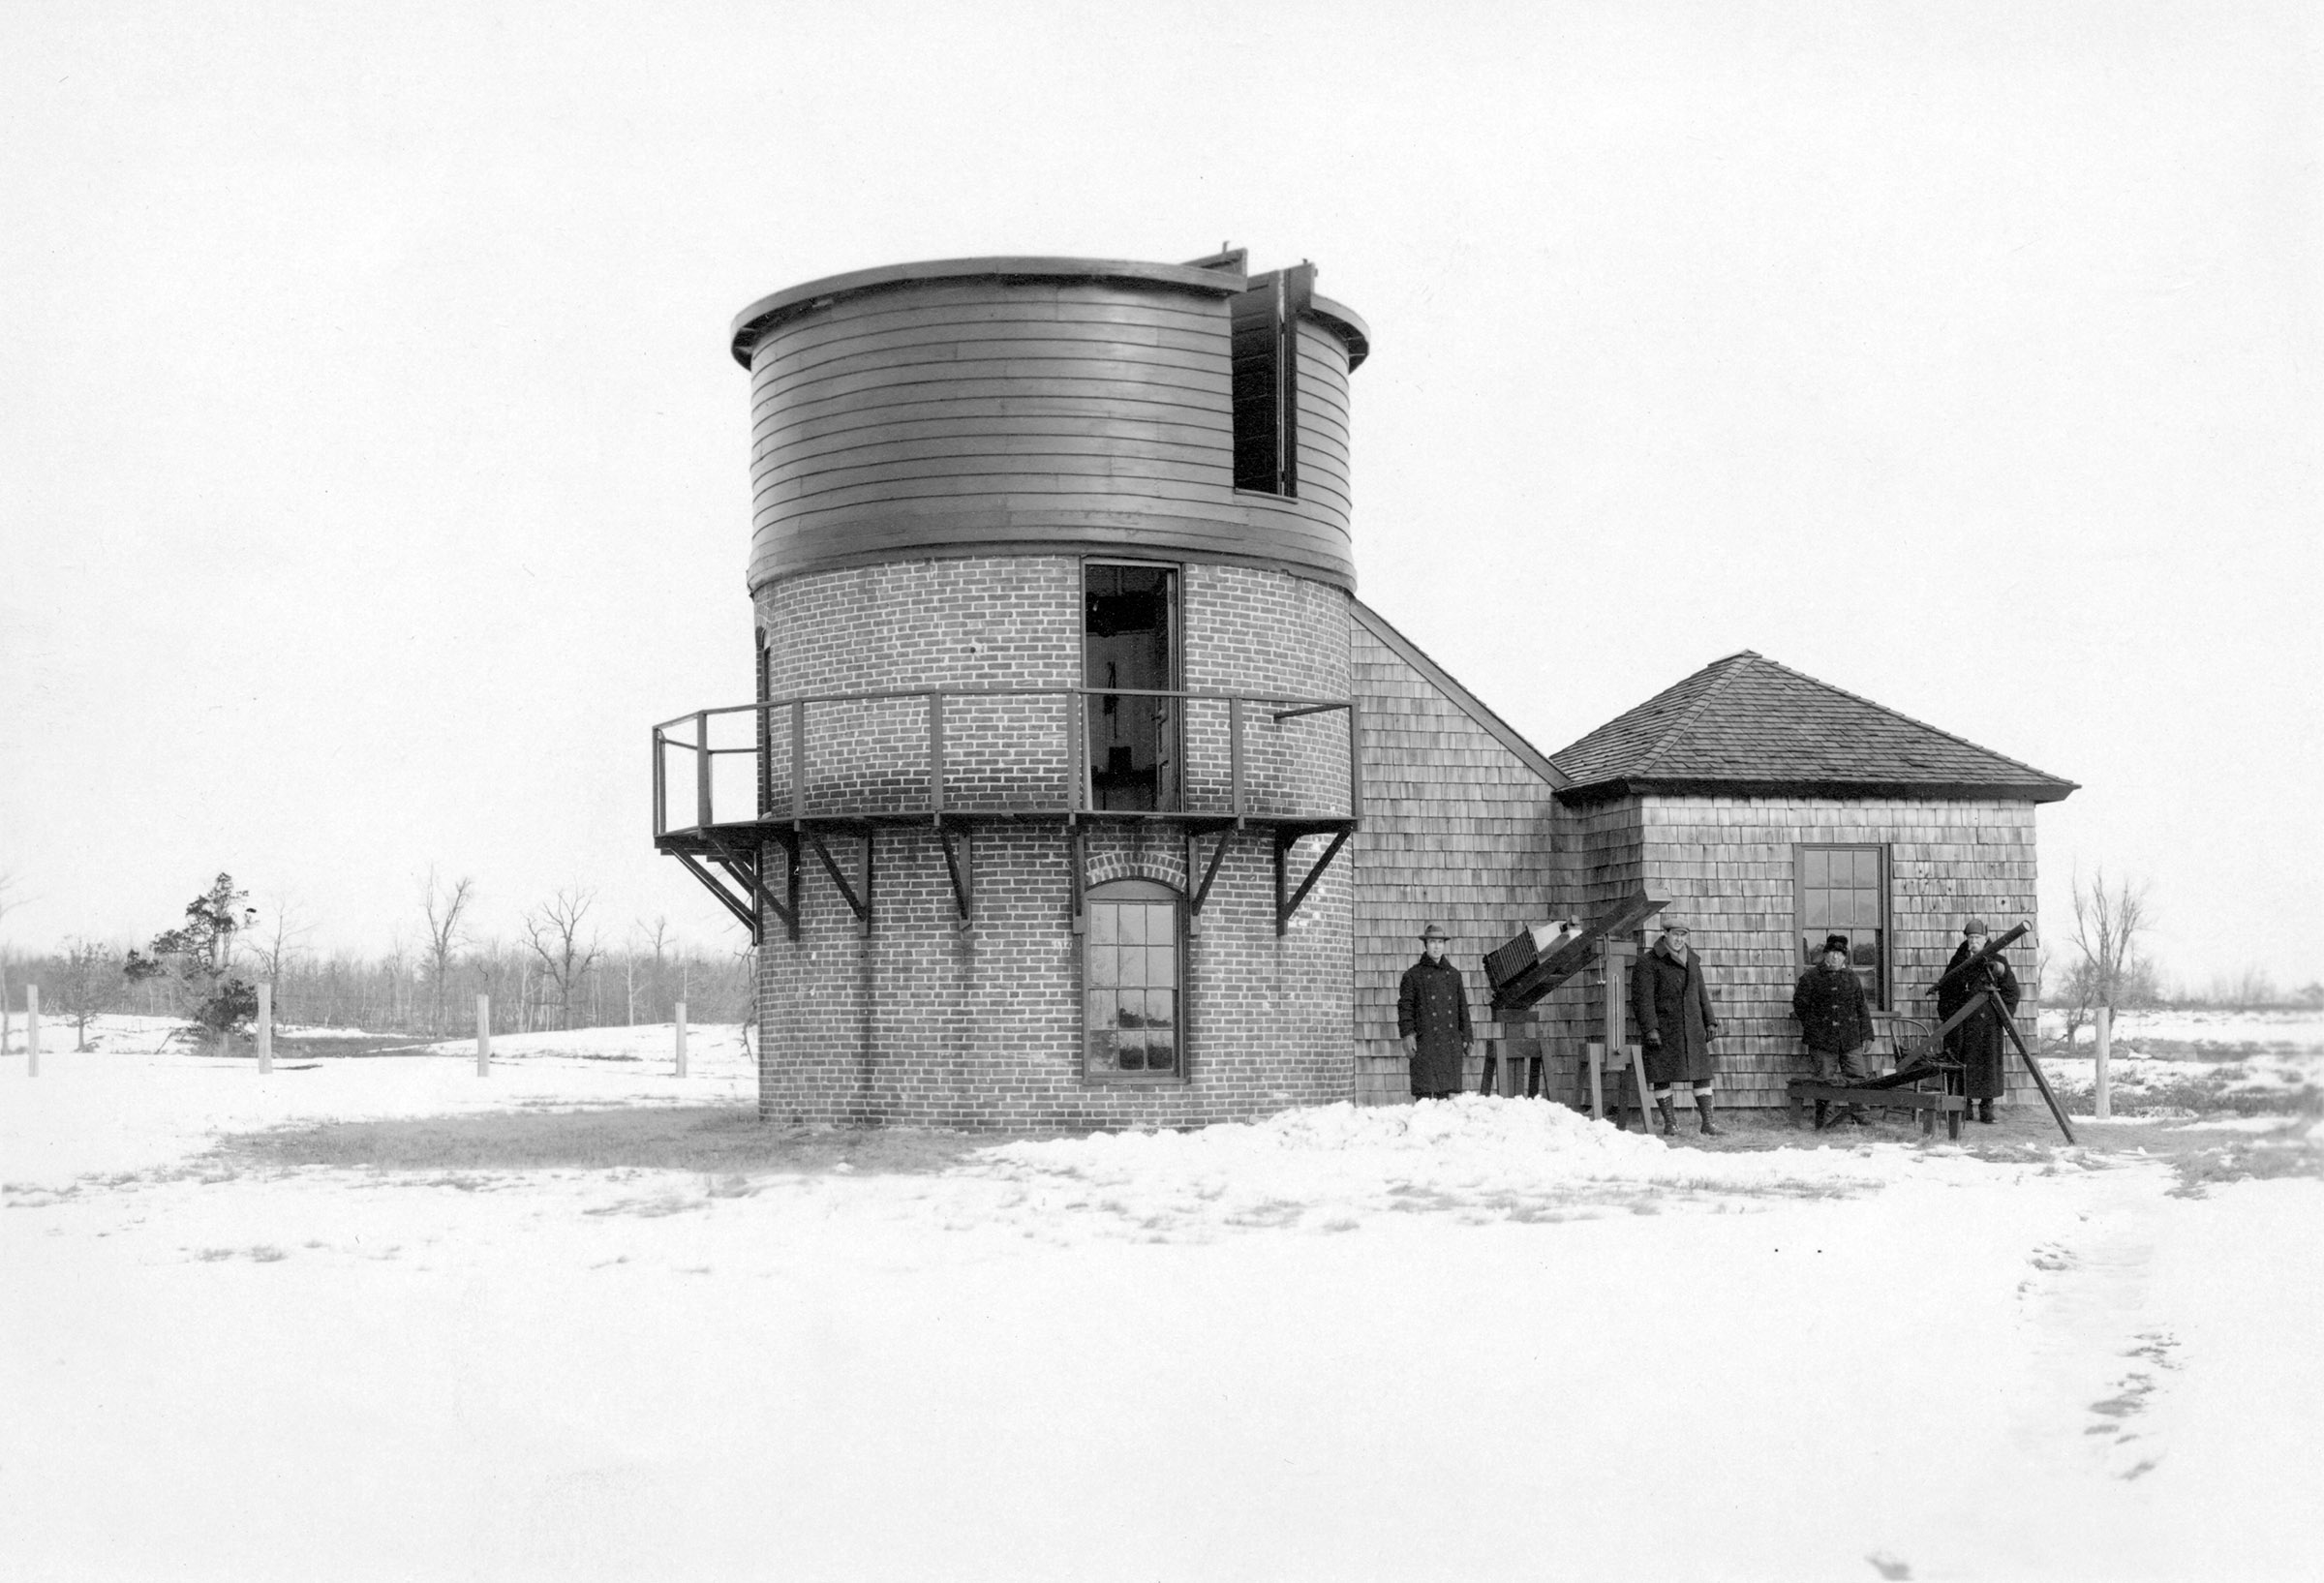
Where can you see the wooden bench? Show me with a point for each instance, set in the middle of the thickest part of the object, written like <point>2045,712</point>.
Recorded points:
<point>1929,1104</point>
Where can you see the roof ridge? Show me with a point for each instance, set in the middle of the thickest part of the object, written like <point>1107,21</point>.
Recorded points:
<point>1711,690</point>
<point>1468,703</point>
<point>1900,715</point>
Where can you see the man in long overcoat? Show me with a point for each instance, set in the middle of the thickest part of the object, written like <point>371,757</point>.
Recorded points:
<point>1433,1019</point>
<point>1835,1022</point>
<point>1671,1006</point>
<point>1978,1043</point>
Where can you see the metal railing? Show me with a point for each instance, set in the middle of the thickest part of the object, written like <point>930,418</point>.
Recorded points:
<point>782,728</point>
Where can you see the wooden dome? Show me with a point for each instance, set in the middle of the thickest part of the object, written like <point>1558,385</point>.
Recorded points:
<point>985,407</point>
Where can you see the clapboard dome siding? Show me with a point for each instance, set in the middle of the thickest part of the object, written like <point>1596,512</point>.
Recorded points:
<point>1014,405</point>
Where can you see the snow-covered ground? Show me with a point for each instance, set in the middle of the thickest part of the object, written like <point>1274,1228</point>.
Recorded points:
<point>1476,1340</point>
<point>2182,1062</point>
<point>2224,1029</point>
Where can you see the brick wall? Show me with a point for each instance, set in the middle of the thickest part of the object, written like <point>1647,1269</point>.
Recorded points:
<point>1254,631</point>
<point>1457,828</point>
<point>1727,863</point>
<point>996,622</point>
<point>925,1022</point>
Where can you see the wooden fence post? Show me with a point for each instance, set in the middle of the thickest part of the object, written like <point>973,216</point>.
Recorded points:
<point>682,1038</point>
<point>2103,1097</point>
<point>32,1030</point>
<point>264,1031</point>
<point>483,1036</point>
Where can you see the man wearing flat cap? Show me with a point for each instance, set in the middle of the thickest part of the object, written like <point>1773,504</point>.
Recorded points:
<point>1977,1043</point>
<point>1433,1019</point>
<point>1670,1006</point>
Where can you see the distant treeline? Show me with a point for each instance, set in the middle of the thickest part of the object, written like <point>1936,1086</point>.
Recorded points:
<point>402,991</point>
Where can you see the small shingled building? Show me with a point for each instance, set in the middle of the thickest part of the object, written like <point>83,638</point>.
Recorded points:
<point>1772,809</point>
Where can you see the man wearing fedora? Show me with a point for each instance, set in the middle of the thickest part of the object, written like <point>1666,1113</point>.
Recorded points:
<point>1433,1019</point>
<point>1670,1004</point>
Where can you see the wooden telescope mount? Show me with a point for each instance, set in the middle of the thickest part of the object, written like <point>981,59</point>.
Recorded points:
<point>1987,999</point>
<point>1521,975</point>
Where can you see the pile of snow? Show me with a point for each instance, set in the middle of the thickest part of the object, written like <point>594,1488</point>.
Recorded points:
<point>1330,1167</point>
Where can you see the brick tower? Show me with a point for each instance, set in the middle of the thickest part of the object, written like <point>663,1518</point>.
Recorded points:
<point>1035,815</point>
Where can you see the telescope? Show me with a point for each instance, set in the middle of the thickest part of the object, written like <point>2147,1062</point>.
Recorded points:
<point>1992,948</point>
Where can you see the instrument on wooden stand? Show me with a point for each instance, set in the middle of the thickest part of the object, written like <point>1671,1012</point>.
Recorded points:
<point>1986,998</point>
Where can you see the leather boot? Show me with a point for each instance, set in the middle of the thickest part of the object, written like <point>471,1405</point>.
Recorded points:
<point>1702,1104</point>
<point>1984,1110</point>
<point>1669,1118</point>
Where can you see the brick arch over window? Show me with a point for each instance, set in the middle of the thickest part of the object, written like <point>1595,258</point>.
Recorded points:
<point>1163,864</point>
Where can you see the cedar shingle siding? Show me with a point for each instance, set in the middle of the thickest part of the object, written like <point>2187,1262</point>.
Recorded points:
<point>1459,829</point>
<point>1725,866</point>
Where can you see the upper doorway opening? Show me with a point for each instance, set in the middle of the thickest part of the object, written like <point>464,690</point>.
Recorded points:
<point>1129,652</point>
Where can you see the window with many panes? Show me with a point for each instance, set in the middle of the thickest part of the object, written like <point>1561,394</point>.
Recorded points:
<point>1132,968</point>
<point>1844,890</point>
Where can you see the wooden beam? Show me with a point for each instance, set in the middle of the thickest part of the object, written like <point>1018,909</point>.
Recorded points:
<point>745,868</point>
<point>1283,844</point>
<point>1202,891</point>
<point>860,905</point>
<point>962,866</point>
<point>2041,1079</point>
<point>727,897</point>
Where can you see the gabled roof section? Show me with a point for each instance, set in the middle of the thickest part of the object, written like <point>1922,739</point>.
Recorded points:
<point>1404,649</point>
<point>1747,726</point>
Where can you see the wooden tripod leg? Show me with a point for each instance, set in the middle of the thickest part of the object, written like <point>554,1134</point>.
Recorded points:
<point>2040,1078</point>
<point>1637,1078</point>
<point>1597,1057</point>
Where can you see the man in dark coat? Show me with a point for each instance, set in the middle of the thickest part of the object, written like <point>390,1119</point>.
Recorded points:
<point>1671,1006</point>
<point>1835,1022</point>
<point>1433,1019</point>
<point>1976,1044</point>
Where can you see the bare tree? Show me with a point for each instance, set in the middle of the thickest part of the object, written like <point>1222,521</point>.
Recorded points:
<point>2247,990</point>
<point>278,949</point>
<point>2108,921</point>
<point>444,906</point>
<point>553,931</point>
<point>88,984</point>
<point>8,904</point>
<point>655,937</point>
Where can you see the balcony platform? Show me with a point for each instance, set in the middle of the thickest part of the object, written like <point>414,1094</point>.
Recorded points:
<point>731,856</point>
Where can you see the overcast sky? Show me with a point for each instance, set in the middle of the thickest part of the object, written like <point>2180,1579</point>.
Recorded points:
<point>373,473</point>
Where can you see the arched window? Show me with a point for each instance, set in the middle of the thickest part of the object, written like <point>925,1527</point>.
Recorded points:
<point>1133,982</point>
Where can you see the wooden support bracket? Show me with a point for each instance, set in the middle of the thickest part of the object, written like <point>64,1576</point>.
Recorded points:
<point>748,872</point>
<point>718,888</point>
<point>1284,841</point>
<point>1077,879</point>
<point>960,862</point>
<point>1194,852</point>
<point>860,905</point>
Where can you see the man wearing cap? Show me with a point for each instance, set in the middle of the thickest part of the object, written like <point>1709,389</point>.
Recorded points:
<point>1834,1021</point>
<point>1671,1006</point>
<point>1433,1019</point>
<point>1977,1043</point>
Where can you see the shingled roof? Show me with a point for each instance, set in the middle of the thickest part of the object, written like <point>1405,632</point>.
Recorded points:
<point>1747,726</point>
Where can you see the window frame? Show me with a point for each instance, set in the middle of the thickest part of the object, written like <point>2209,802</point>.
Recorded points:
<point>1883,991</point>
<point>1177,665</point>
<point>1137,888</point>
